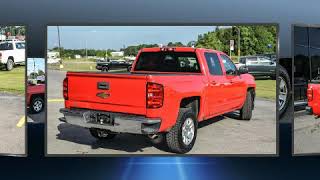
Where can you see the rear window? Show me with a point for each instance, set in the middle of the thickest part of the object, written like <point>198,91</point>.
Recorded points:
<point>168,62</point>
<point>6,46</point>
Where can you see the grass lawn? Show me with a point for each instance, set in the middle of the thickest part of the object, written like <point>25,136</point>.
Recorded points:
<point>81,66</point>
<point>78,60</point>
<point>13,81</point>
<point>266,89</point>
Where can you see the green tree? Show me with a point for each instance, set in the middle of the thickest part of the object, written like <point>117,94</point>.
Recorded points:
<point>40,72</point>
<point>253,39</point>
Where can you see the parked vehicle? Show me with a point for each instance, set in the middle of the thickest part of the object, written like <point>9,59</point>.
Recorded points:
<point>259,66</point>
<point>12,53</point>
<point>271,56</point>
<point>313,94</point>
<point>106,65</point>
<point>166,94</point>
<point>35,97</point>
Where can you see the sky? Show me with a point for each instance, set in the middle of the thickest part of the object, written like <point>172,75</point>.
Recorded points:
<point>116,37</point>
<point>34,64</point>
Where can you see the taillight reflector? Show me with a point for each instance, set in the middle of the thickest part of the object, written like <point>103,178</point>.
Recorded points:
<point>65,88</point>
<point>310,94</point>
<point>154,95</point>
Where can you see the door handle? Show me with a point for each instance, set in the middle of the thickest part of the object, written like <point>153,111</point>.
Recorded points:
<point>232,81</point>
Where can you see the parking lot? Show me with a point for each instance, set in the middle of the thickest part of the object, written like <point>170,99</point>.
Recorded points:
<point>220,135</point>
<point>12,126</point>
<point>306,133</point>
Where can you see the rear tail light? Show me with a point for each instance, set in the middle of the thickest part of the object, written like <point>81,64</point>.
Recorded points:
<point>310,94</point>
<point>154,95</point>
<point>65,88</point>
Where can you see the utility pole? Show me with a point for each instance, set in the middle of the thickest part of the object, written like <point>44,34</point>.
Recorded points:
<point>86,51</point>
<point>61,65</point>
<point>34,65</point>
<point>238,44</point>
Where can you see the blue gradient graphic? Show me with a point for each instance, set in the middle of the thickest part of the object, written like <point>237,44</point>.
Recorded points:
<point>163,168</point>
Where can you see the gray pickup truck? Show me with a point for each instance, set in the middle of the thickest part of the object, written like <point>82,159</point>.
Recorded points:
<point>106,65</point>
<point>259,66</point>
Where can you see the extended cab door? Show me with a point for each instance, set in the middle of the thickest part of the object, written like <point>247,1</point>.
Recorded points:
<point>19,52</point>
<point>215,94</point>
<point>267,66</point>
<point>236,86</point>
<point>252,64</point>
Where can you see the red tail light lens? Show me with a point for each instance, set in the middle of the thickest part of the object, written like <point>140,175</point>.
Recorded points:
<point>310,94</point>
<point>154,95</point>
<point>65,88</point>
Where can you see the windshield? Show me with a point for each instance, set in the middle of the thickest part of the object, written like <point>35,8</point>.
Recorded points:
<point>168,62</point>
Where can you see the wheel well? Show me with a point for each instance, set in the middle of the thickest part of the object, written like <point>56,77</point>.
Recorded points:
<point>37,95</point>
<point>11,57</point>
<point>191,102</point>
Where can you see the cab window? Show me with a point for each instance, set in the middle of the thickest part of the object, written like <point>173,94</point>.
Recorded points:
<point>252,60</point>
<point>20,45</point>
<point>228,65</point>
<point>6,46</point>
<point>213,63</point>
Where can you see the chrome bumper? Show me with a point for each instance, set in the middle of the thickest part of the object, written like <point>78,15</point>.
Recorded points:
<point>121,123</point>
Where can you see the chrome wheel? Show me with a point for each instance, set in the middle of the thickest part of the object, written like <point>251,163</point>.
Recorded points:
<point>283,92</point>
<point>188,131</point>
<point>37,106</point>
<point>9,65</point>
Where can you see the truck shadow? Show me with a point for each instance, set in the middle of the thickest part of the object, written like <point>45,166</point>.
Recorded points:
<point>122,142</point>
<point>37,118</point>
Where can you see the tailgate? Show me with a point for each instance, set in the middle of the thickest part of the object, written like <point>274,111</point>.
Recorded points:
<point>108,92</point>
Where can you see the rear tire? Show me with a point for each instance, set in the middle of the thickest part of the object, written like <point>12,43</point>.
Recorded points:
<point>37,104</point>
<point>246,110</point>
<point>182,136</point>
<point>284,90</point>
<point>101,134</point>
<point>9,65</point>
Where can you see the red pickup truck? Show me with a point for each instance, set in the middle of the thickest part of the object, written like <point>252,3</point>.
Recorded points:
<point>35,97</point>
<point>313,95</point>
<point>168,91</point>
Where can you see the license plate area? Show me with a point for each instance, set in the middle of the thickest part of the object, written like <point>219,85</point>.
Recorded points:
<point>99,118</point>
<point>105,119</point>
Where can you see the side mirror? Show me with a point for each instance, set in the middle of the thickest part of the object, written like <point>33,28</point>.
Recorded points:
<point>243,70</point>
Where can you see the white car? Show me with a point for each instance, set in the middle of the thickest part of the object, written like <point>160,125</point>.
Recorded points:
<point>12,53</point>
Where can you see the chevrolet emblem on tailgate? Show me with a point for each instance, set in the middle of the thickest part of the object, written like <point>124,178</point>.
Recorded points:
<point>103,95</point>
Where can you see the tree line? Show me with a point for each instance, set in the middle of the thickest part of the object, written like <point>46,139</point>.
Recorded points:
<point>66,53</point>
<point>254,40</point>
<point>13,30</point>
